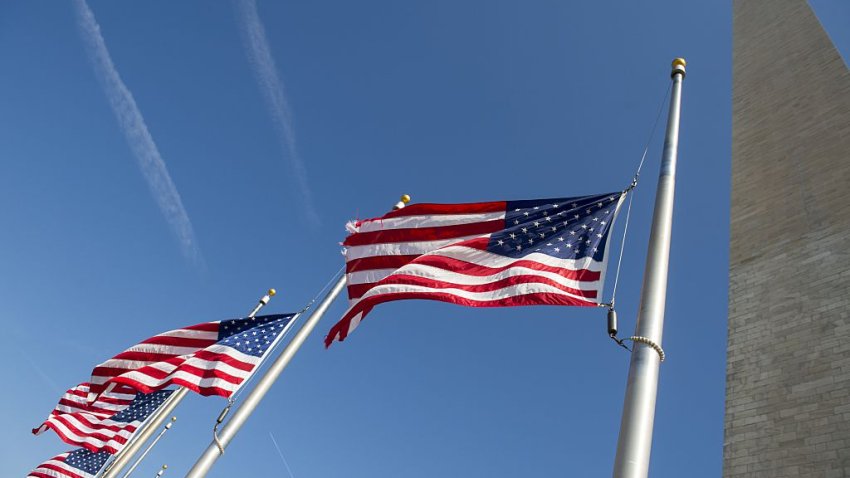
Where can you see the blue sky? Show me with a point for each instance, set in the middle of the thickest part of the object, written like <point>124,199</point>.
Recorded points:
<point>219,149</point>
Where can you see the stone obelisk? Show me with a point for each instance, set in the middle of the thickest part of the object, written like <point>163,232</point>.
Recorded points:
<point>788,362</point>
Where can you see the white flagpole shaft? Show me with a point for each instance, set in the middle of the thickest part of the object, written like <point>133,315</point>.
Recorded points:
<point>247,406</point>
<point>150,447</point>
<point>635,441</point>
<point>159,417</point>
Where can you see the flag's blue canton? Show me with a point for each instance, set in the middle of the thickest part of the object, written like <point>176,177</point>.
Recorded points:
<point>566,228</point>
<point>252,336</point>
<point>142,406</point>
<point>87,461</point>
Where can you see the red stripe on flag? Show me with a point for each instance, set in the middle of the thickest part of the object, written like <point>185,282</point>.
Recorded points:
<point>340,330</point>
<point>198,374</point>
<point>356,291</point>
<point>206,326</point>
<point>62,471</point>
<point>206,391</point>
<point>179,341</point>
<point>476,243</point>
<point>104,372</point>
<point>404,279</point>
<point>139,356</point>
<point>80,390</point>
<point>96,425</point>
<point>424,233</point>
<point>80,436</point>
<point>378,262</point>
<point>205,373</point>
<point>428,209</point>
<point>225,358</point>
<point>395,262</point>
<point>474,269</point>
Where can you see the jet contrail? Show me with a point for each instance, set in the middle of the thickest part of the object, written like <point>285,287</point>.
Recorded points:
<point>281,455</point>
<point>47,379</point>
<point>271,86</point>
<point>136,132</point>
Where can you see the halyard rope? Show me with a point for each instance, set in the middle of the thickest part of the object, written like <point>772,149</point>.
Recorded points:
<point>630,191</point>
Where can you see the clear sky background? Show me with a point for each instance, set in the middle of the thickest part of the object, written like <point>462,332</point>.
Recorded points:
<point>249,134</point>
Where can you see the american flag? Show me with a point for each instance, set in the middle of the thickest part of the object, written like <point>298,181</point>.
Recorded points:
<point>212,358</point>
<point>492,254</point>
<point>107,423</point>
<point>71,464</point>
<point>75,400</point>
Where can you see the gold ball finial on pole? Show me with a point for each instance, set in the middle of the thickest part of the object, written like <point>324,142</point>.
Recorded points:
<point>263,301</point>
<point>679,66</point>
<point>404,200</point>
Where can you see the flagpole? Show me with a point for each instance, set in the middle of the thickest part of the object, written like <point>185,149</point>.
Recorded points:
<point>123,457</point>
<point>247,406</point>
<point>134,444</point>
<point>148,449</point>
<point>635,441</point>
<point>216,448</point>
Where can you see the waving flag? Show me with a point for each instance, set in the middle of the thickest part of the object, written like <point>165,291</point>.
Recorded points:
<point>75,400</point>
<point>73,464</point>
<point>492,254</point>
<point>107,423</point>
<point>212,358</point>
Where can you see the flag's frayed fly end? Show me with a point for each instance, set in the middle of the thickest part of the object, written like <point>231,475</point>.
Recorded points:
<point>353,227</point>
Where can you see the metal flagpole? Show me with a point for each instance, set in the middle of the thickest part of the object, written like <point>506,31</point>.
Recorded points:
<point>247,406</point>
<point>635,440</point>
<point>148,449</point>
<point>161,471</point>
<point>123,457</point>
<point>216,448</point>
<point>160,416</point>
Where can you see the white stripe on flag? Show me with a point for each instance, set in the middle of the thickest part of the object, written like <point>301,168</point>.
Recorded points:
<point>443,275</point>
<point>191,334</point>
<point>402,248</point>
<point>478,256</point>
<point>488,296</point>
